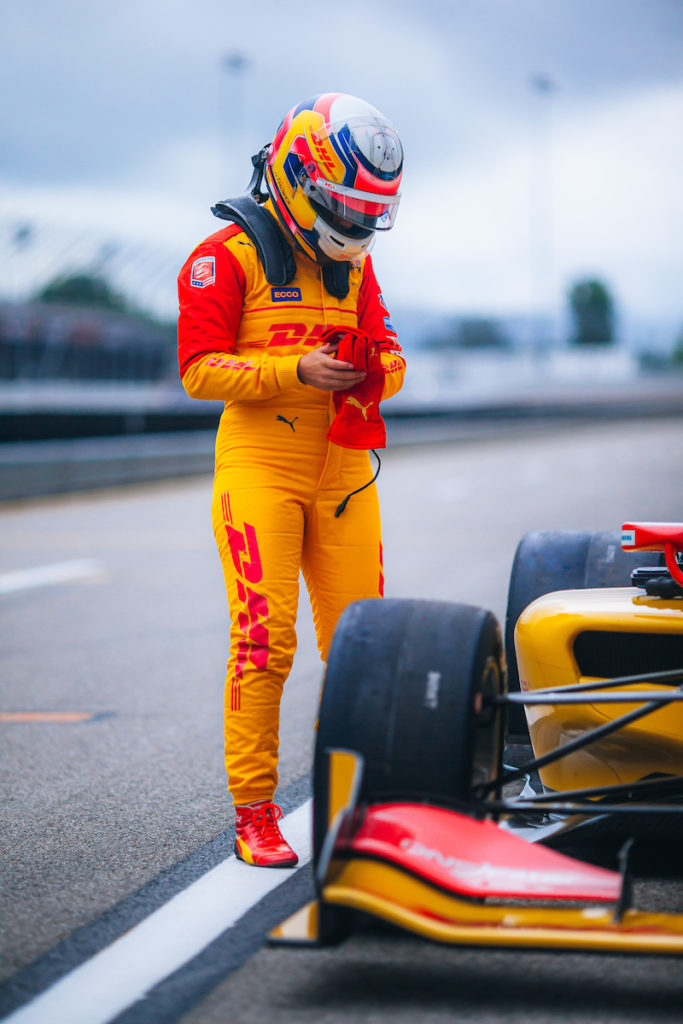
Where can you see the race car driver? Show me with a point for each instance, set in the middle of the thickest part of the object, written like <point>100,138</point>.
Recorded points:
<point>301,367</point>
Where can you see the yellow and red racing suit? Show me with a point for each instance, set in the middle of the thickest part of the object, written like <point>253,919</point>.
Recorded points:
<point>278,481</point>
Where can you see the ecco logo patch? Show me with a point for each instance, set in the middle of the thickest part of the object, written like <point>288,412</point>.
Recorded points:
<point>285,294</point>
<point>203,272</point>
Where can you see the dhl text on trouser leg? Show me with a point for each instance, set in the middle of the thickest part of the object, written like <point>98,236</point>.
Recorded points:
<point>278,483</point>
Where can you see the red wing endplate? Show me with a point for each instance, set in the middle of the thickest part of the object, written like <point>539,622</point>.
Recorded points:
<point>666,537</point>
<point>475,859</point>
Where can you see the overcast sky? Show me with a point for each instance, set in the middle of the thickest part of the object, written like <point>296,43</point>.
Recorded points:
<point>123,118</point>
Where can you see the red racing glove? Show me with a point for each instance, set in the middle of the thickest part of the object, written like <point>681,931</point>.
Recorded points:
<point>358,423</point>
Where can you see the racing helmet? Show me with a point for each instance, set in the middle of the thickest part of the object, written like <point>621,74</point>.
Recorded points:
<point>333,171</point>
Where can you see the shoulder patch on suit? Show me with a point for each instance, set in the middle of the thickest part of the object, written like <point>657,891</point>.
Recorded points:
<point>203,272</point>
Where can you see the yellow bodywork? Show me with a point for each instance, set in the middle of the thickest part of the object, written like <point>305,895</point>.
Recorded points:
<point>544,640</point>
<point>388,893</point>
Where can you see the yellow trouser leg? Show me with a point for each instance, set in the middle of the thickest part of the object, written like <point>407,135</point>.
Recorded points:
<point>258,525</point>
<point>342,556</point>
<point>272,516</point>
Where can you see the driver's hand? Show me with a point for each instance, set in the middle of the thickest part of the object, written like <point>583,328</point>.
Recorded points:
<point>319,369</point>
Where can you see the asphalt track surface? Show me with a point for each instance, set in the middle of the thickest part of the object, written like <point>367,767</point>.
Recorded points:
<point>113,633</point>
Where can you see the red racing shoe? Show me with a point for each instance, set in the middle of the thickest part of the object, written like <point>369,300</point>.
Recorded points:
<point>258,839</point>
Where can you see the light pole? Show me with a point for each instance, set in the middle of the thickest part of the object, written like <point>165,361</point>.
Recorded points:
<point>236,64</point>
<point>541,208</point>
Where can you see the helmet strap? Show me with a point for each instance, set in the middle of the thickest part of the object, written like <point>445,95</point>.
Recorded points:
<point>259,164</point>
<point>336,278</point>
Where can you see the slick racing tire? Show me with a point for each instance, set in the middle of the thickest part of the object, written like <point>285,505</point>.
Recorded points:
<point>406,687</point>
<point>550,560</point>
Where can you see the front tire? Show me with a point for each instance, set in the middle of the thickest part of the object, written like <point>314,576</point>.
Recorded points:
<point>407,686</point>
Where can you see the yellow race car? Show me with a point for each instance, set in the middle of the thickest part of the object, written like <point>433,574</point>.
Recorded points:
<point>441,794</point>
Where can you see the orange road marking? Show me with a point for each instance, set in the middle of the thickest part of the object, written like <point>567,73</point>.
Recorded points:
<point>47,716</point>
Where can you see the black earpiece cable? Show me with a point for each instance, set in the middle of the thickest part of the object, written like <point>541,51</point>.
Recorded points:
<point>343,504</point>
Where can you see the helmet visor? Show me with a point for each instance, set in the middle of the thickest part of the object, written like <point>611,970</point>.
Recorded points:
<point>372,140</point>
<point>363,209</point>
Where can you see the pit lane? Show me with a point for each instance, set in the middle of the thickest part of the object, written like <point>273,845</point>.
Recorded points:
<point>97,811</point>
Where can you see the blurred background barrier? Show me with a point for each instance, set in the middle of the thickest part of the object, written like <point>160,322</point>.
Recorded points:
<point>90,395</point>
<point>82,332</point>
<point>62,439</point>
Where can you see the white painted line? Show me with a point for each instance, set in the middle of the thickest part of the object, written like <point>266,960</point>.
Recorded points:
<point>44,575</point>
<point>120,974</point>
